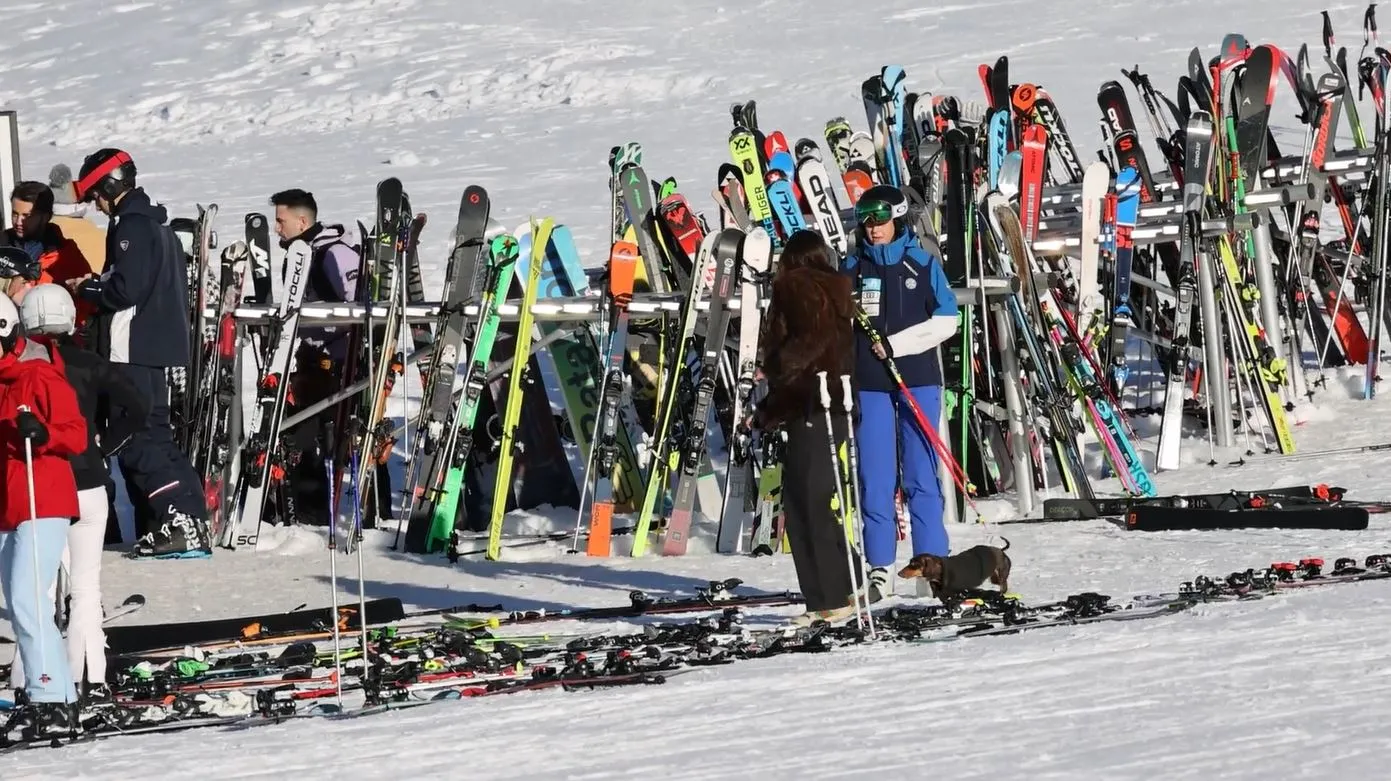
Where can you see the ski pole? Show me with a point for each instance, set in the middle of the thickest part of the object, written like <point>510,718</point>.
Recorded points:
<point>594,447</point>
<point>367,686</point>
<point>34,521</point>
<point>929,431</point>
<point>841,506</point>
<point>853,454</point>
<point>333,579</point>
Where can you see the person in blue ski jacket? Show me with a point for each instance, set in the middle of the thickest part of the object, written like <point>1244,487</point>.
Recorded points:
<point>904,291</point>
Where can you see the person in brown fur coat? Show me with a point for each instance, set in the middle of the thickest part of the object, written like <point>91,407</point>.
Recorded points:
<point>809,329</point>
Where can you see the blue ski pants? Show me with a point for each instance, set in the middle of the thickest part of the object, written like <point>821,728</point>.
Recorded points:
<point>37,543</point>
<point>888,428</point>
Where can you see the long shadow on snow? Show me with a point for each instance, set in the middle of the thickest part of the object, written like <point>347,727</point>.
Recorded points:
<point>616,582</point>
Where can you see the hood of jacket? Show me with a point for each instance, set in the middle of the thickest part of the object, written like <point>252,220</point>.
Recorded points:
<point>320,235</point>
<point>331,234</point>
<point>138,202</point>
<point>29,351</point>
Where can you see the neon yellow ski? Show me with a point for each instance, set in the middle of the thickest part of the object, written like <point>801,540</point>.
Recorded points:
<point>541,236</point>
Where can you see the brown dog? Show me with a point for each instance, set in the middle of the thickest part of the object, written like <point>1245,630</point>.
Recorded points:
<point>966,570</point>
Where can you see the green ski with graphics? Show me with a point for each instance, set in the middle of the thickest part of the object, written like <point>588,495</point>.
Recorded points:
<point>502,256</point>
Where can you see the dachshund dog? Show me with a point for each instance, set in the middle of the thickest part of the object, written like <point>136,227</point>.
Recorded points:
<point>964,571</point>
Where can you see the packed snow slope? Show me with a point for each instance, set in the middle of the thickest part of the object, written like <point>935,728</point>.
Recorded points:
<point>229,102</point>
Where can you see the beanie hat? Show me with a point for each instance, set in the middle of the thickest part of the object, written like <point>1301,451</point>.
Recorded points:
<point>60,181</point>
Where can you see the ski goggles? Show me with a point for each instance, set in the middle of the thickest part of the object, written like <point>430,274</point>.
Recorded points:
<point>876,213</point>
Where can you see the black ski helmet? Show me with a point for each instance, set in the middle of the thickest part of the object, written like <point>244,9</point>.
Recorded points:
<point>15,262</point>
<point>105,172</point>
<point>880,204</point>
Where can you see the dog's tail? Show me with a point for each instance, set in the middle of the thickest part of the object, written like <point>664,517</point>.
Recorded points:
<point>1006,539</point>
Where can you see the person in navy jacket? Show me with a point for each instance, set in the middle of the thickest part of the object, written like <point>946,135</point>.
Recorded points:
<point>904,291</point>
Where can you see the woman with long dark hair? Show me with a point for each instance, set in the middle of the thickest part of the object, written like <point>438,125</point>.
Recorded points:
<point>809,330</point>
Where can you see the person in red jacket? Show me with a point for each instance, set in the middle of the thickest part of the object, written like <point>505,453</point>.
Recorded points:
<point>41,428</point>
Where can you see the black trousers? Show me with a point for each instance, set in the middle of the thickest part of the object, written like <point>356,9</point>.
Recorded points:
<point>809,478</point>
<point>163,478</point>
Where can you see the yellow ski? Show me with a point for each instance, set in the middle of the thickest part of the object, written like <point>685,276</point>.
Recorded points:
<point>541,236</point>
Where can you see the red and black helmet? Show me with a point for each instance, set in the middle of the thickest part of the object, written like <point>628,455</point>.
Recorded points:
<point>105,172</point>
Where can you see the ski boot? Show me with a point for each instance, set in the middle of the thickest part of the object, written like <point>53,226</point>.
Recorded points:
<point>180,537</point>
<point>37,722</point>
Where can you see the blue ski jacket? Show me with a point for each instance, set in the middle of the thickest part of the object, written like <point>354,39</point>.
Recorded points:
<point>904,290</point>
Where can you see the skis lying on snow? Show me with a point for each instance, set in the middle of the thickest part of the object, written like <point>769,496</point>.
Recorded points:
<point>123,640</point>
<point>1103,507</point>
<point>640,604</point>
<point>1328,517</point>
<point>243,687</point>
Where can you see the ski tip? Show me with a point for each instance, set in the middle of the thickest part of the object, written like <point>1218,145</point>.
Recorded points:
<point>134,599</point>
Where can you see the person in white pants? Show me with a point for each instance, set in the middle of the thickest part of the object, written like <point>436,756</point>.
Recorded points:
<point>49,318</point>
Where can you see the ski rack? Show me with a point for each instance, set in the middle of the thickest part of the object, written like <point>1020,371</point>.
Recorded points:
<point>1167,229</point>
<point>1054,242</point>
<point>574,309</point>
<point>1350,165</point>
<point>1160,223</point>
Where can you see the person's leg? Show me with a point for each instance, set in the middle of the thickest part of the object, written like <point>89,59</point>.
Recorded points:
<point>37,546</point>
<point>798,499</point>
<point>141,516</point>
<point>113,521</point>
<point>878,477</point>
<point>921,488</point>
<point>86,638</point>
<point>7,546</point>
<point>165,477</point>
<point>813,527</point>
<point>161,473</point>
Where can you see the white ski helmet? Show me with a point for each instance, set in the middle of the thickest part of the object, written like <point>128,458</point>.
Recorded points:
<point>48,309</point>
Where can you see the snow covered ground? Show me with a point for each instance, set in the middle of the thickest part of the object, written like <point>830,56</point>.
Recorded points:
<point>229,102</point>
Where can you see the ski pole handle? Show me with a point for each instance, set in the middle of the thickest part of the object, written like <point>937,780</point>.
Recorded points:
<point>847,392</point>
<point>825,390</point>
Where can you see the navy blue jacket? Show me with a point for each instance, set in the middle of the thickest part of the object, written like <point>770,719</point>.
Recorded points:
<point>904,290</point>
<point>142,295</point>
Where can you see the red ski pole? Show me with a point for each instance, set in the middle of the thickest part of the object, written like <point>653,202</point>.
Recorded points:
<point>958,474</point>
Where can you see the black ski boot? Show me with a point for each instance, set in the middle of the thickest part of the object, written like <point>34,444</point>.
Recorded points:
<point>32,722</point>
<point>97,694</point>
<point>180,537</point>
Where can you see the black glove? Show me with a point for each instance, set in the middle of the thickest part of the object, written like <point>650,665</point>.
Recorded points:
<point>31,428</point>
<point>88,289</point>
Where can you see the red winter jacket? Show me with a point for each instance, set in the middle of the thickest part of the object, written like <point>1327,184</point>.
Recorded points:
<point>32,375</point>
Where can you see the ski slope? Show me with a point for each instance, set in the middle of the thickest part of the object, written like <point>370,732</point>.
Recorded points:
<point>229,102</point>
